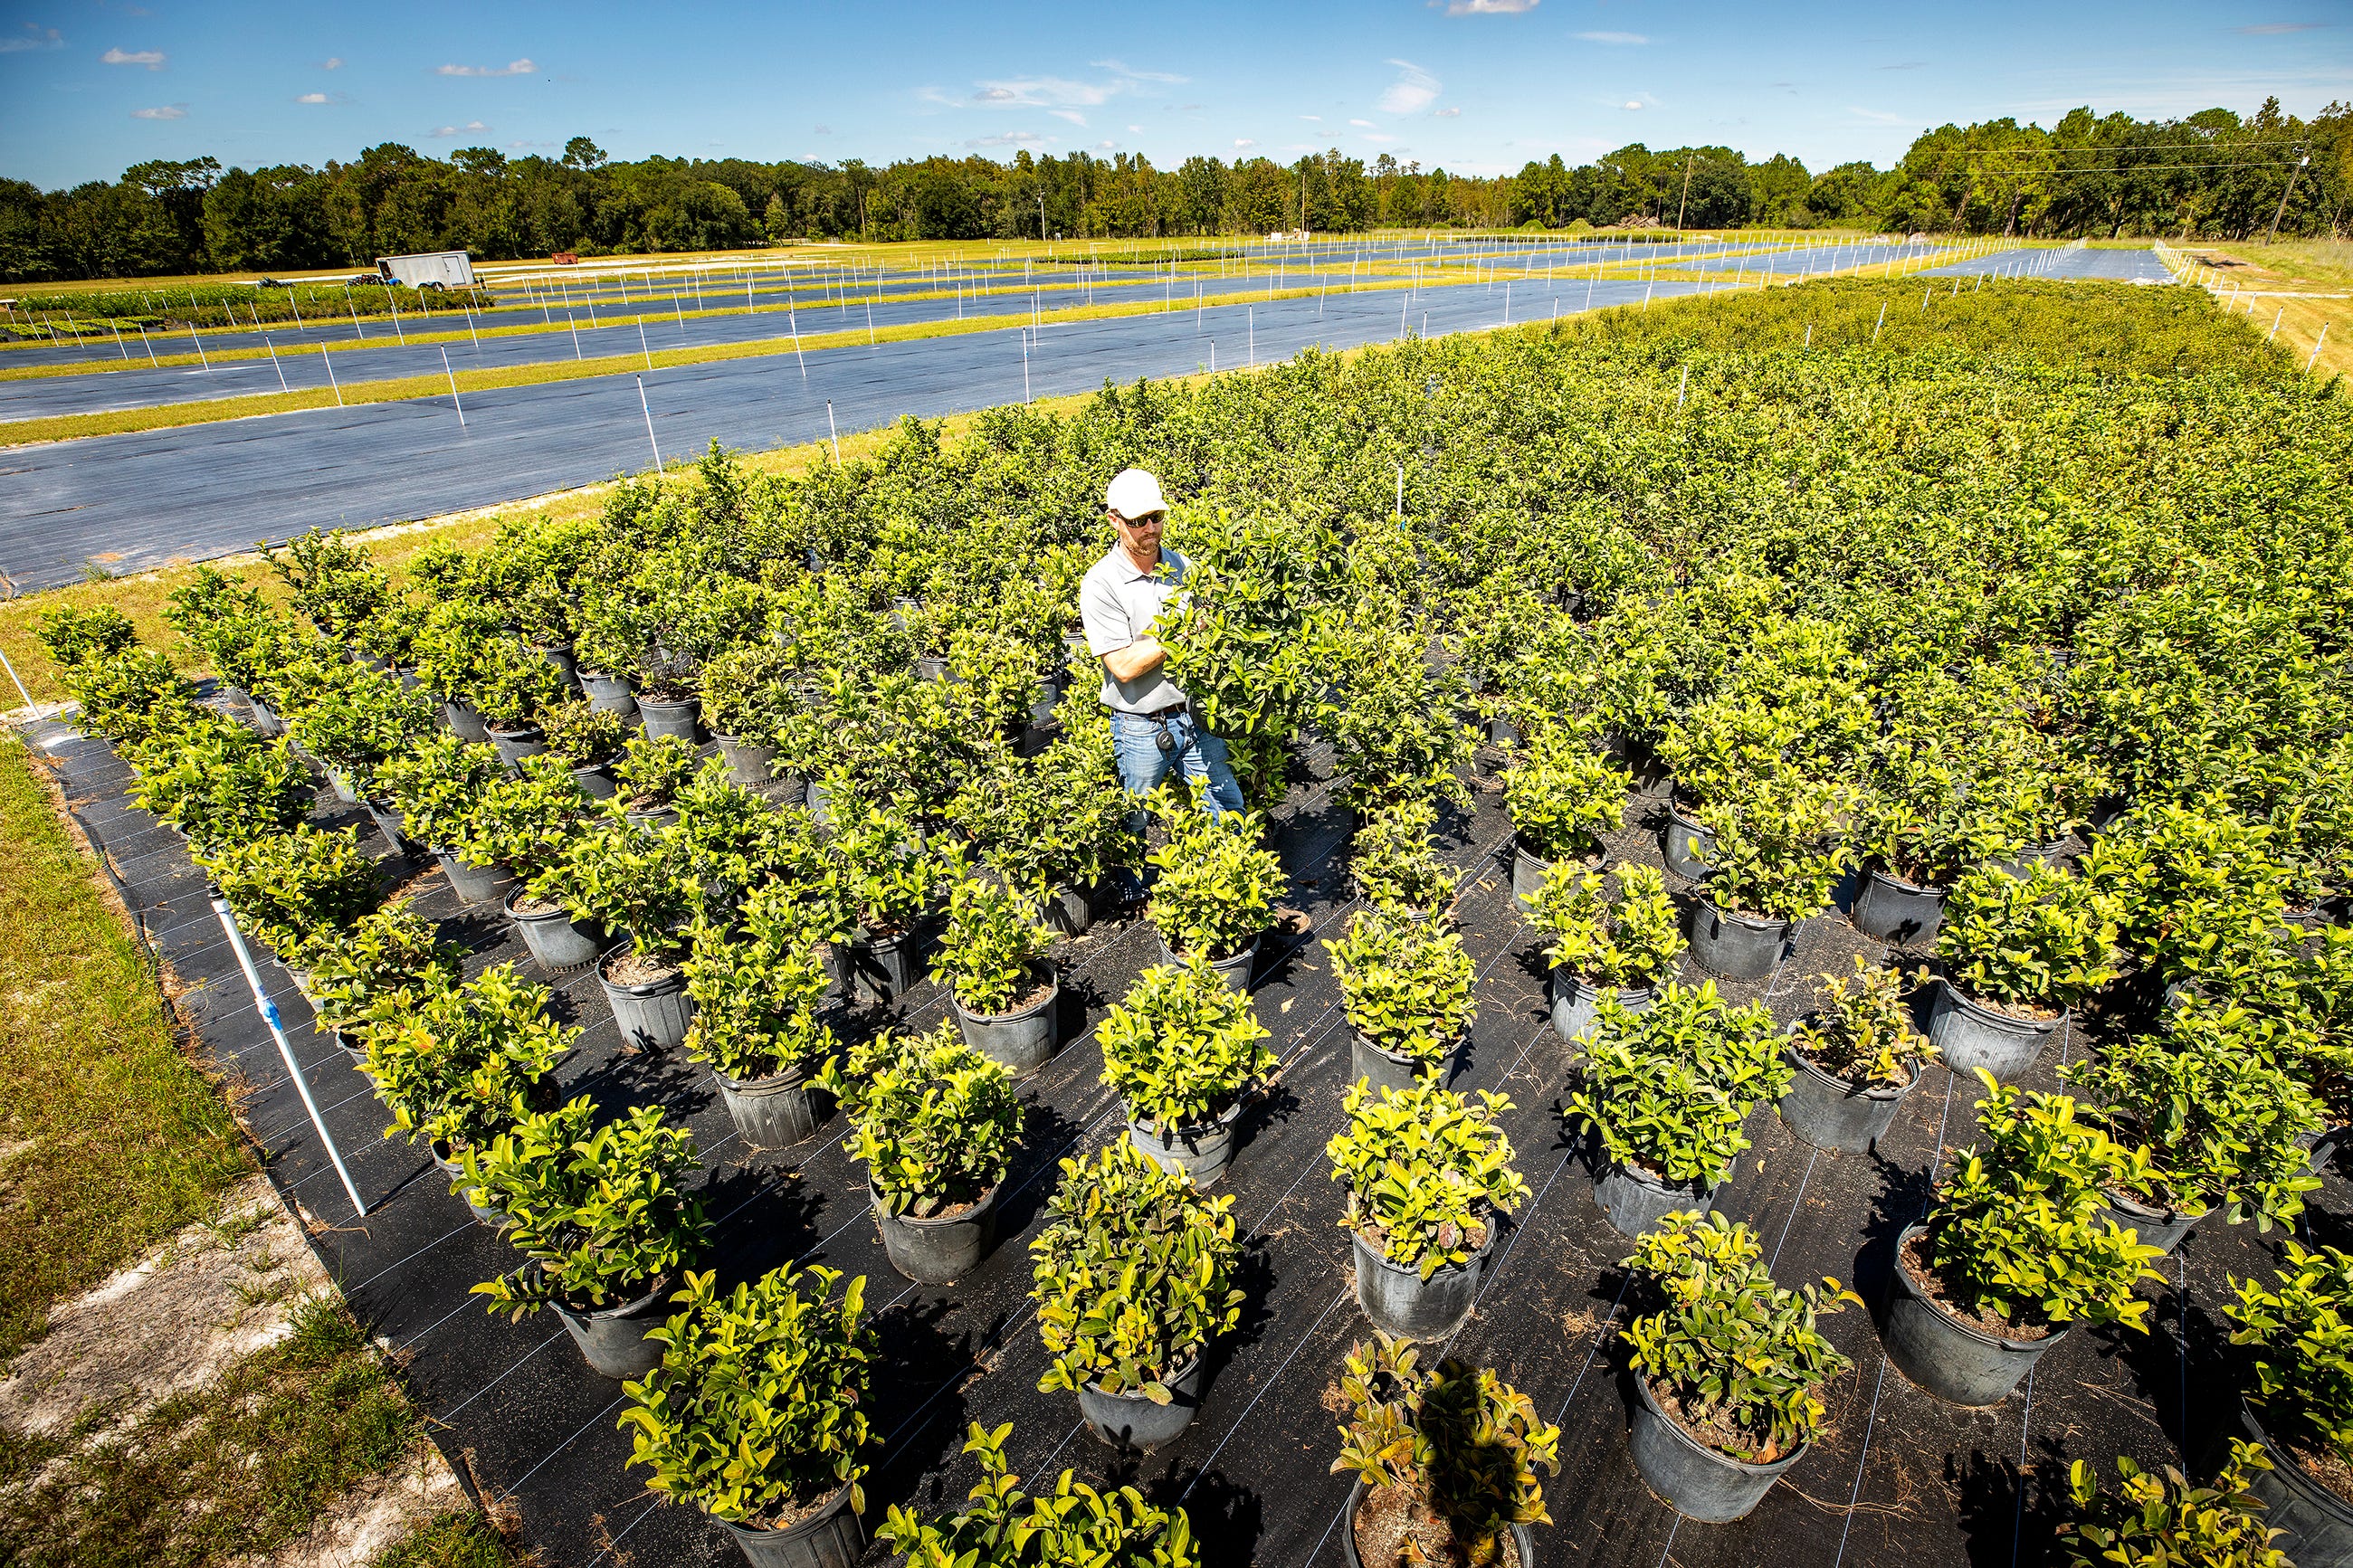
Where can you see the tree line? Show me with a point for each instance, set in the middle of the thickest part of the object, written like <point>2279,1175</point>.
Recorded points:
<point>2211,175</point>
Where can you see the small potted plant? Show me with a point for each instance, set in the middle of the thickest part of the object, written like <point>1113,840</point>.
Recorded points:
<point>388,959</point>
<point>2016,1249</point>
<point>586,740</point>
<point>1445,1460</point>
<point>525,824</point>
<point>992,959</point>
<point>2018,952</point>
<point>511,689</point>
<point>1002,1526</point>
<point>1055,827</point>
<point>297,891</point>
<point>1773,862</point>
<point>1183,1049</point>
<point>1134,1278</point>
<point>2158,1520</point>
<point>603,1219</point>
<point>1217,886</point>
<point>131,695</point>
<point>1853,1060</point>
<point>1407,990</point>
<point>438,786</point>
<point>353,724</point>
<point>749,701</point>
<point>2196,894</point>
<point>652,773</point>
<point>1726,1371</point>
<point>1666,1092</point>
<point>936,1123</point>
<point>612,879</point>
<point>2224,1127</point>
<point>1429,1178</point>
<point>1716,752</point>
<point>1397,868</point>
<point>756,988</point>
<point>2299,1331</point>
<point>1918,827</point>
<point>756,1412</point>
<point>1602,949</point>
<point>450,652</point>
<point>1563,796</point>
<point>887,877</point>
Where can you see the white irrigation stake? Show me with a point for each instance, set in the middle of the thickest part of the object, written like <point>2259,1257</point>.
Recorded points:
<point>331,375</point>
<point>395,305</point>
<point>574,325</point>
<point>17,679</point>
<point>648,409</point>
<point>2316,349</point>
<point>643,347</point>
<point>274,364</point>
<point>1880,322</point>
<point>869,320</point>
<point>792,320</point>
<point>1683,381</point>
<point>453,387</point>
<point>833,430</point>
<point>682,310</point>
<point>2276,321</point>
<point>1400,491</point>
<point>1025,368</point>
<point>277,1032</point>
<point>119,343</point>
<point>208,364</point>
<point>149,345</point>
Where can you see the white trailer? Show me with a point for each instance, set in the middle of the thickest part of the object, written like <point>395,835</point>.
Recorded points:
<point>429,270</point>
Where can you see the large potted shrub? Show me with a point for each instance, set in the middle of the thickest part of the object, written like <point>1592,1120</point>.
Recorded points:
<point>887,878</point>
<point>377,972</point>
<point>651,774</point>
<point>2298,1332</point>
<point>588,739</point>
<point>220,783</point>
<point>2018,952</point>
<point>1397,868</point>
<point>1603,948</point>
<point>2159,1519</point>
<point>2016,1249</point>
<point>1184,1050</point>
<point>1666,1092</point>
<point>131,695</point>
<point>1406,988</point>
<point>992,959</point>
<point>1774,861</point>
<point>1852,1059</point>
<point>1563,796</point>
<point>936,1124</point>
<point>1716,752</point>
<point>612,880</point>
<point>1428,1179</point>
<point>749,700</point>
<point>513,686</point>
<point>438,786</point>
<point>1135,1280</point>
<point>527,824</point>
<point>1002,1526</point>
<point>756,987</point>
<point>604,1221</point>
<point>355,721</point>
<point>2196,894</point>
<point>297,891</point>
<point>1055,827</point>
<point>756,1412</point>
<point>450,651</point>
<point>457,1063</point>
<point>1724,1373</point>
<point>1445,1455</point>
<point>1916,828</point>
<point>1216,888</point>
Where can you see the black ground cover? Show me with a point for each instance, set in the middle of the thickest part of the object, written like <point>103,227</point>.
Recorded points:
<point>1897,1478</point>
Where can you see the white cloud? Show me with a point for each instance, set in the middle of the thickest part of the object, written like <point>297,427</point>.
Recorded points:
<point>152,58</point>
<point>1106,146</point>
<point>314,98</point>
<point>513,68</point>
<point>1632,103</point>
<point>332,63</point>
<point>1135,130</point>
<point>1486,8</point>
<point>1243,143</point>
<point>1118,70</point>
<point>1414,88</point>
<point>1046,92</point>
<point>34,36</point>
<point>1315,118</point>
<point>1875,116</point>
<point>1007,139</point>
<point>1613,37</point>
<point>471,128</point>
<point>168,112</point>
<point>1363,124</point>
<point>1455,114</point>
<point>1072,115</point>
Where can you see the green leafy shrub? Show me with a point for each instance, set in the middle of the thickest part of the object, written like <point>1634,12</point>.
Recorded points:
<point>581,735</point>
<point>1001,1524</point>
<point>757,1412</point>
<point>1390,715</point>
<point>652,772</point>
<point>2017,1228</point>
<point>513,685</point>
<point>132,695</point>
<point>2300,1331</point>
<point>1405,988</point>
<point>1862,1031</point>
<point>297,891</point>
<point>1425,1173</point>
<point>1182,1048</point>
<point>71,634</point>
<point>334,581</point>
<point>378,971</point>
<point>991,947</point>
<point>438,786</point>
<point>454,646</point>
<point>756,989</point>
<point>1740,1356</point>
<point>356,720</point>
<point>936,1121</point>
<point>1563,794</point>
<point>1060,820</point>
<point>1217,885</point>
<point>220,783</point>
<point>1669,1087</point>
<point>1628,943</point>
<point>748,693</point>
<point>457,1063</point>
<point>1134,1275</point>
<point>1398,870</point>
<point>2032,944</point>
<point>1776,851</point>
<point>2158,1520</point>
<point>599,1213</point>
<point>1461,1446</point>
<point>2196,893</point>
<point>620,881</point>
<point>530,821</point>
<point>886,876</point>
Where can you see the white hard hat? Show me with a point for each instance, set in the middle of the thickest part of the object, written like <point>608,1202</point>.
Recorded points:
<point>1135,493</point>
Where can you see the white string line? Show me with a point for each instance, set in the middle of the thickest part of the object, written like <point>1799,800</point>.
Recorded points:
<point>1277,1376</point>
<point>452,1412</point>
<point>511,1490</point>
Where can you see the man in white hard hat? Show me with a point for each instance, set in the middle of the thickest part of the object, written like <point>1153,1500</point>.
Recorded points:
<point>1153,729</point>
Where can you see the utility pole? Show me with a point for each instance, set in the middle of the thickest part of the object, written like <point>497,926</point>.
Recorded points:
<point>2281,211</point>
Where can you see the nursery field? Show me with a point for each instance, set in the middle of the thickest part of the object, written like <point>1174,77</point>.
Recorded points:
<point>1847,683</point>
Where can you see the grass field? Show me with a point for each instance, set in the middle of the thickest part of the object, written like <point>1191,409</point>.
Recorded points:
<point>2292,282</point>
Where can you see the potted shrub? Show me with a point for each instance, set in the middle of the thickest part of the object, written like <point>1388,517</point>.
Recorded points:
<point>1183,1050</point>
<point>604,650</point>
<point>220,783</point>
<point>1716,752</point>
<point>887,877</point>
<point>1666,1092</point>
<point>1445,1455</point>
<point>1390,710</point>
<point>936,1123</point>
<point>612,879</point>
<point>1773,862</point>
<point>1726,1371</point>
<point>131,695</point>
<point>451,651</point>
<point>2018,952</point>
<point>2196,894</point>
<point>2017,1248</point>
<point>2299,1334</point>
<point>586,739</point>
<point>1428,1179</point>
<point>1216,888</point>
<point>1055,827</point>
<point>1407,990</point>
<point>749,700</point>
<point>388,959</point>
<point>1002,1526</point>
<point>1563,796</point>
<point>71,634</point>
<point>756,989</point>
<point>1602,949</point>
<point>1134,1278</point>
<point>297,891</point>
<point>992,959</point>
<point>438,786</point>
<point>2156,1519</point>
<point>1853,1060</point>
<point>512,688</point>
<point>1397,868</point>
<point>603,1222</point>
<point>756,1412</point>
<point>527,824</point>
<point>354,723</point>
<point>2223,1128</point>
<point>652,773</point>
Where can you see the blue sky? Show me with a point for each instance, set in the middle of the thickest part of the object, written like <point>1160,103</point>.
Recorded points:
<point>1478,86</point>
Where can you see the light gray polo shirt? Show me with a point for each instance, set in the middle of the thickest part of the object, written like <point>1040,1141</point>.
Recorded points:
<point>1119,605</point>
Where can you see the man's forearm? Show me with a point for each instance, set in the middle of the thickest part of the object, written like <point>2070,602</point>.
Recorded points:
<point>1139,658</point>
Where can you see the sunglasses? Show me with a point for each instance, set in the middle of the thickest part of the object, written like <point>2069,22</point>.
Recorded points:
<point>1149,517</point>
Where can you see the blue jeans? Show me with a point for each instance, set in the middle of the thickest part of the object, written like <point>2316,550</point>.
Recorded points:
<point>1145,767</point>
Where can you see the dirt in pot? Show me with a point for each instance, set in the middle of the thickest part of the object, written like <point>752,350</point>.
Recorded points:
<point>1394,1529</point>
<point>1022,1002</point>
<point>639,969</point>
<point>2323,1465</point>
<point>527,906</point>
<point>1914,1258</point>
<point>1718,1434</point>
<point>2024,1011</point>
